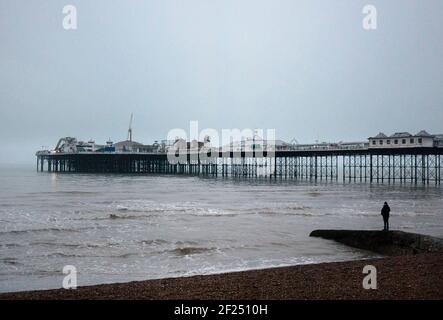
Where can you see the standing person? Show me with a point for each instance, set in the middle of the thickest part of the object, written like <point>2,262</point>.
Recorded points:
<point>385,213</point>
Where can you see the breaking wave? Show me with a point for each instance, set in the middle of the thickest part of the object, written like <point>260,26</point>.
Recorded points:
<point>10,261</point>
<point>185,251</point>
<point>43,230</point>
<point>75,255</point>
<point>72,245</point>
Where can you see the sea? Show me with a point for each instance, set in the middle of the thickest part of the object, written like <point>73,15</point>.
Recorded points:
<point>120,228</point>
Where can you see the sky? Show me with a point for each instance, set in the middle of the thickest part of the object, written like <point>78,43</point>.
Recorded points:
<point>307,69</point>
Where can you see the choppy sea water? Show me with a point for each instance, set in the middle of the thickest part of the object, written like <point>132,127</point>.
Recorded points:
<point>116,228</point>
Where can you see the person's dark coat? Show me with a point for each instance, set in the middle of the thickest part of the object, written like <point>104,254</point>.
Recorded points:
<point>385,211</point>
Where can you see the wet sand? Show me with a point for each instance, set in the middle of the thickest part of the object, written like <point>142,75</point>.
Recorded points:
<point>402,277</point>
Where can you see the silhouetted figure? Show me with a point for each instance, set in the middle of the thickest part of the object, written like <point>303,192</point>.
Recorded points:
<point>385,213</point>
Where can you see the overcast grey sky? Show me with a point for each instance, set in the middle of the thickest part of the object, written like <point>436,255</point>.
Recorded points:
<point>306,68</point>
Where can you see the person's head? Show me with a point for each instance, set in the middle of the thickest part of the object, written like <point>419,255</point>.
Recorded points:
<point>386,203</point>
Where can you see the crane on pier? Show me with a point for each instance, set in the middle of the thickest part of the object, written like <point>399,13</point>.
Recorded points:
<point>130,129</point>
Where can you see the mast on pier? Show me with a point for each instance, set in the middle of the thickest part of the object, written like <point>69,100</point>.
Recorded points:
<point>130,128</point>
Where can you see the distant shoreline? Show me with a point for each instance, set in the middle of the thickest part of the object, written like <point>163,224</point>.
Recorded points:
<point>400,277</point>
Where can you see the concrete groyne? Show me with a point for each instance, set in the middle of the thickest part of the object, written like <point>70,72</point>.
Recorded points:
<point>383,242</point>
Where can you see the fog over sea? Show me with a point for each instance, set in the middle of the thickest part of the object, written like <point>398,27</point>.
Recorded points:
<point>118,228</point>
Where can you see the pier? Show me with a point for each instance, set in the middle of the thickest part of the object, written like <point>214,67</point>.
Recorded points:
<point>363,164</point>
